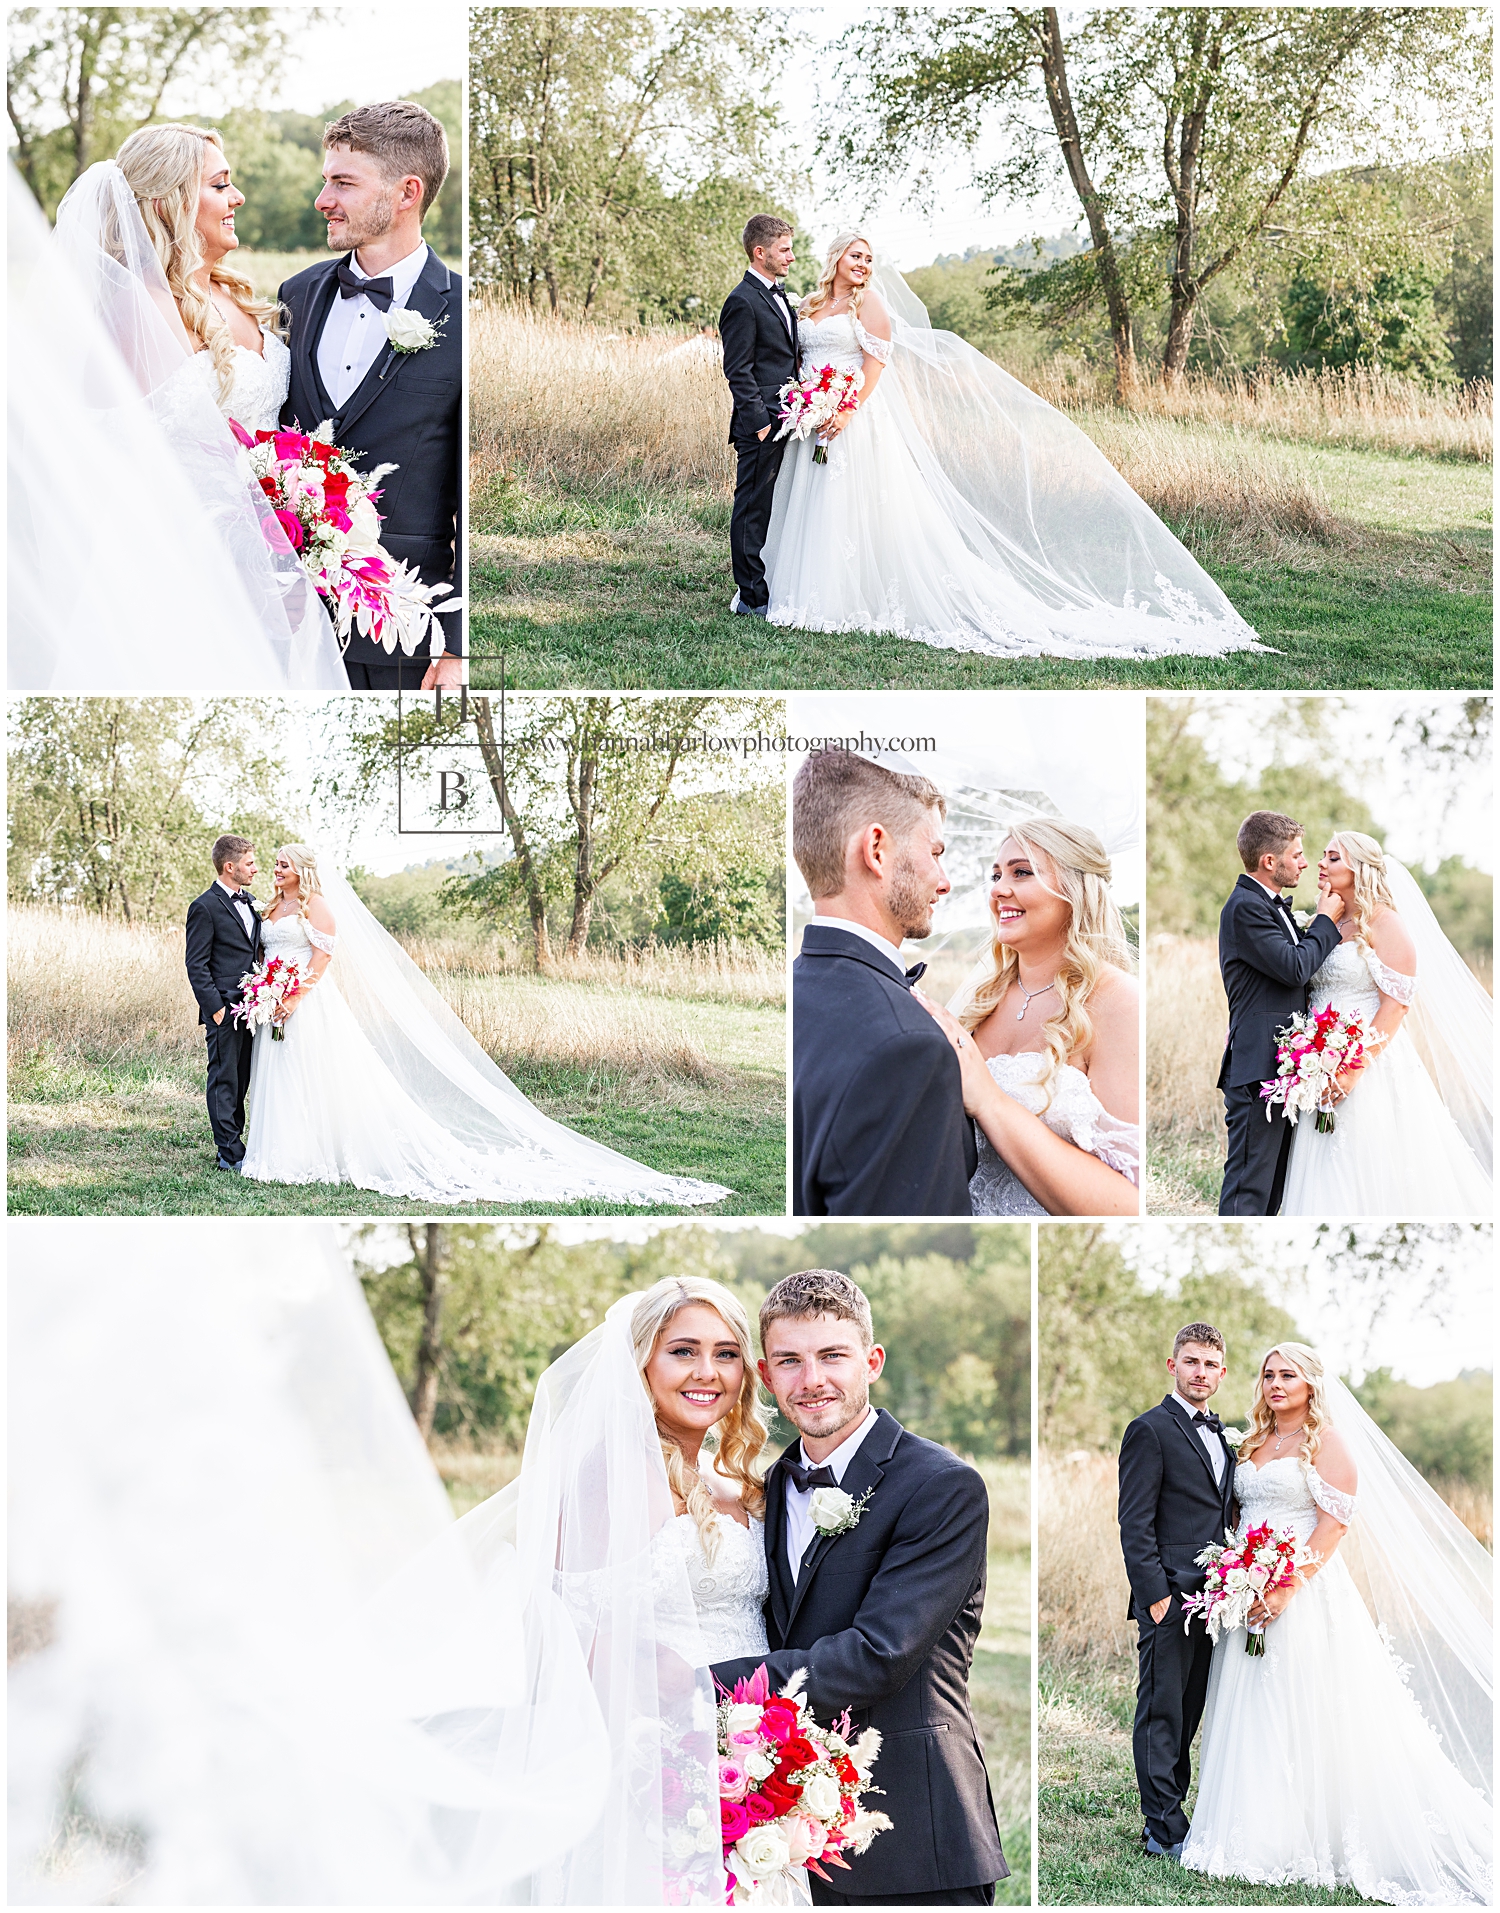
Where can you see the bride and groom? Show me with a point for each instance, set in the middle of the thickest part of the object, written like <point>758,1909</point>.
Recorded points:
<point>953,505</point>
<point>364,1075</point>
<point>1019,1098</point>
<point>1412,1130</point>
<point>1355,1751</point>
<point>173,343</point>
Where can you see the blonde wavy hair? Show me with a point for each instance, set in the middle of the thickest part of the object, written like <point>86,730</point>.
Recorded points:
<point>1372,890</point>
<point>1080,868</point>
<point>304,860</point>
<point>1309,1365</point>
<point>163,167</point>
<point>742,1433</point>
<point>822,292</point>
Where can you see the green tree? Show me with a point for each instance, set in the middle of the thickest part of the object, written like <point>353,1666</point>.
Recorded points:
<point>79,80</point>
<point>1446,1430</point>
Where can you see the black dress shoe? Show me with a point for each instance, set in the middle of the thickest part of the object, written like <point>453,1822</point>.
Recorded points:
<point>223,1162</point>
<point>1154,1847</point>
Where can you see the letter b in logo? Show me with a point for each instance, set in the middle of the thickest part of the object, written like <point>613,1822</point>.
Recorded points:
<point>453,790</point>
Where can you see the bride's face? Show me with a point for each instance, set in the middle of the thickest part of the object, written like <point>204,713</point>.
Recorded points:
<point>218,197</point>
<point>695,1373</point>
<point>1336,871</point>
<point>1027,916</point>
<point>855,265</point>
<point>1286,1390</point>
<point>285,874</point>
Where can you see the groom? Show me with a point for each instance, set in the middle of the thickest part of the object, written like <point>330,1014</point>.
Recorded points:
<point>881,1603</point>
<point>758,327</point>
<point>223,942</point>
<point>389,402</point>
<point>1267,964</point>
<point>878,1123</point>
<point>1176,1494</point>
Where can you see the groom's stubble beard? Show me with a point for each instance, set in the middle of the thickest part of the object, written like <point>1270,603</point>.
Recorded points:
<point>909,898</point>
<point>851,1411</point>
<point>375,223</point>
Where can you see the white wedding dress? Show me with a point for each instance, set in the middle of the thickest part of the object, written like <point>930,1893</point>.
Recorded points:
<point>960,510</point>
<point>261,383</point>
<point>1395,1149</point>
<point>375,1082</point>
<point>1317,1766</point>
<point>1074,1113</point>
<point>729,1593</point>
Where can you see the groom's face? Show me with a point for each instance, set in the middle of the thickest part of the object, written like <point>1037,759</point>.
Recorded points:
<point>1288,865</point>
<point>1197,1371</point>
<point>357,199</point>
<point>820,1372</point>
<point>242,873</point>
<point>916,878</point>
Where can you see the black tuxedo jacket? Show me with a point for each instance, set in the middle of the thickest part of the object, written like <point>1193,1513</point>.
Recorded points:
<point>1171,1508</point>
<point>884,1618</point>
<point>878,1123</point>
<point>759,355</point>
<point>218,951</point>
<point>1265,978</point>
<point>405,412</point>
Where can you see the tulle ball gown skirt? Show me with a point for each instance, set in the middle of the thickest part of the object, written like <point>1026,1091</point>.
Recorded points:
<point>1394,1150</point>
<point>1317,1767</point>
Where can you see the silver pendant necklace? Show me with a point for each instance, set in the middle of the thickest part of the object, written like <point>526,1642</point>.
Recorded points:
<point>1029,994</point>
<point>1288,1435</point>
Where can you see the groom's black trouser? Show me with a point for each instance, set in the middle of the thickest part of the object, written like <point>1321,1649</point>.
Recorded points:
<point>1255,1166</point>
<point>229,1048</point>
<point>1170,1692</point>
<point>945,1896</point>
<point>759,461</point>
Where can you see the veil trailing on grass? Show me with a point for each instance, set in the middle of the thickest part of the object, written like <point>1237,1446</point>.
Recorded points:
<point>258,1664</point>
<point>142,554</point>
<point>1034,496</point>
<point>458,1084</point>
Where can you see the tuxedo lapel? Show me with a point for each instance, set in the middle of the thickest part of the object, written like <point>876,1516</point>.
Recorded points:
<point>864,1472</point>
<point>1191,1437</point>
<point>778,1568</point>
<point>232,916</point>
<point>305,345</point>
<point>430,296</point>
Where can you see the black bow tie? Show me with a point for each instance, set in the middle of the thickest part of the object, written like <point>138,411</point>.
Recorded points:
<point>916,970</point>
<point>380,292</point>
<point>1209,1421</point>
<point>1283,904</point>
<point>805,1478</point>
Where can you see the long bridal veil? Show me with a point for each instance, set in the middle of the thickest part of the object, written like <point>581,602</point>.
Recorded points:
<point>253,1661</point>
<point>452,1079</point>
<point>1035,497</point>
<point>141,554</point>
<point>1451,1019</point>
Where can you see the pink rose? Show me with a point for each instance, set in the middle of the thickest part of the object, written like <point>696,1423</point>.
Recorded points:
<point>807,1838</point>
<point>733,1821</point>
<point>292,526</point>
<point>733,1780</point>
<point>759,1809</point>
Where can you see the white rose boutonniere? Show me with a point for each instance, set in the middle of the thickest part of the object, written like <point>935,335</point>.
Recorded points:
<point>409,331</point>
<point>834,1512</point>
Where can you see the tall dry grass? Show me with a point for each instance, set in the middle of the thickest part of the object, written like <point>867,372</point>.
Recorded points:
<point>86,992</point>
<point>725,971</point>
<point>1186,1017</point>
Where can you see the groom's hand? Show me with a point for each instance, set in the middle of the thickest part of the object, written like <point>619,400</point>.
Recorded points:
<point>445,673</point>
<point>1329,905</point>
<point>218,1016</point>
<point>762,432</point>
<point>1159,1609</point>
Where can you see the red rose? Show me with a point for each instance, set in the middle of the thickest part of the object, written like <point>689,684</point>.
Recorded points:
<point>846,1770</point>
<point>781,1796</point>
<point>798,1752</point>
<point>778,1718</point>
<point>759,1809</point>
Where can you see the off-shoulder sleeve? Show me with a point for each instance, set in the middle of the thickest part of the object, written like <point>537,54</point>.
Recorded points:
<point>878,349</point>
<point>1331,1500</point>
<point>1400,989</point>
<point>318,939</point>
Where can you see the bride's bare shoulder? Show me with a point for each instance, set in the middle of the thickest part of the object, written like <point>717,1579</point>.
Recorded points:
<point>1391,941</point>
<point>1115,1001</point>
<point>1335,1464</point>
<point>873,315</point>
<point>319,915</point>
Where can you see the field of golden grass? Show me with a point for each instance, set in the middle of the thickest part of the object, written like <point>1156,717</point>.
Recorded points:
<point>1186,1017</point>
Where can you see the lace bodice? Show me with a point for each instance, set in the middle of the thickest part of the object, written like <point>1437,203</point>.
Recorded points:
<point>293,938</point>
<point>260,384</point>
<point>729,1596</point>
<point>1355,980</point>
<point>840,341</point>
<point>1288,1495</point>
<point>1074,1113</point>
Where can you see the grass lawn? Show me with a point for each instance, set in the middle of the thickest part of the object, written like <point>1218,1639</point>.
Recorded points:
<point>1000,1681</point>
<point>631,591</point>
<point>114,1138</point>
<point>1090,1813</point>
<point>1183,1173</point>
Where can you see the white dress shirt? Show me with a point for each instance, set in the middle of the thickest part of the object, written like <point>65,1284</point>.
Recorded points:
<point>354,332</point>
<point>872,937</point>
<point>1211,1441</point>
<point>242,910</point>
<point>772,285</point>
<point>800,1532</point>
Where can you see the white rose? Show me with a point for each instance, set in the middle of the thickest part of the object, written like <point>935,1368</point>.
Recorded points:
<point>763,1850</point>
<point>820,1797</point>
<point>742,1718</point>
<point>696,1817</point>
<point>408,331</point>
<point>708,1839</point>
<point>829,1506</point>
<point>681,1846</point>
<point>759,1765</point>
<point>365,521</point>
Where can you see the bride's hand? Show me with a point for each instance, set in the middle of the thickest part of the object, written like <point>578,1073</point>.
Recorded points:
<point>975,1079</point>
<point>1272,1604</point>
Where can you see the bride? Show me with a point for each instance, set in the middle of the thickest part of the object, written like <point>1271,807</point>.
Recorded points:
<point>1356,1751</point>
<point>376,1082</point>
<point>1049,1063</point>
<point>140,343</point>
<point>1412,1131</point>
<point>959,509</point>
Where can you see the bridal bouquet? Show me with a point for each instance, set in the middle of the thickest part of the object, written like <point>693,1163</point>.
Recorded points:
<point>326,511</point>
<point>809,404</point>
<point>267,989</point>
<point>1238,1574</point>
<point>789,1789</point>
<point>1310,1052</point>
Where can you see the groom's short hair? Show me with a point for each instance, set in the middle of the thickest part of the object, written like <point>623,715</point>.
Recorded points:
<point>839,793</point>
<point>1265,830</point>
<point>762,229</point>
<point>1203,1333</point>
<point>401,137</point>
<point>229,850</point>
<point>818,1292</point>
